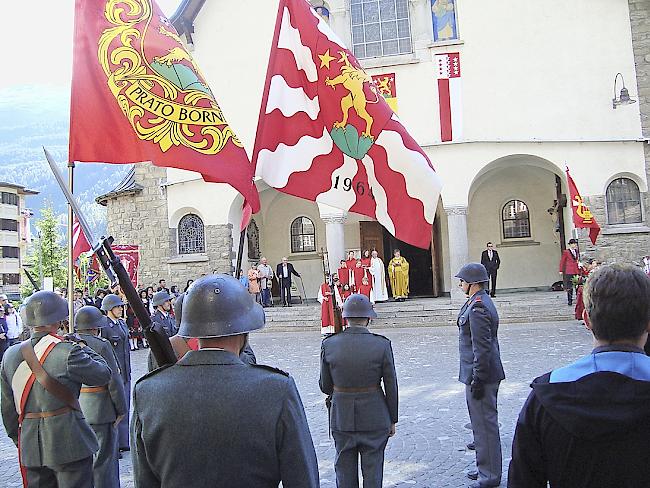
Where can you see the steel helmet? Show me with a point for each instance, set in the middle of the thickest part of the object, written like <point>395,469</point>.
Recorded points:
<point>219,306</point>
<point>178,307</point>
<point>45,308</point>
<point>473,273</point>
<point>358,305</point>
<point>111,301</point>
<point>89,317</point>
<point>160,297</point>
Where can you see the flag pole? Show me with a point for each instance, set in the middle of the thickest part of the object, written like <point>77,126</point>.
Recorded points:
<point>240,252</point>
<point>70,252</point>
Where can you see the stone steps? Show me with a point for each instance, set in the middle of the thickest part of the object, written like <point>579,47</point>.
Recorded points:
<point>431,312</point>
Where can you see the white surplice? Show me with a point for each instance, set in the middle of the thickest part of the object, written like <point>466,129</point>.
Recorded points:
<point>378,272</point>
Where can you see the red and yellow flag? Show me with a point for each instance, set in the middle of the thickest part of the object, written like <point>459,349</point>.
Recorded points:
<point>582,216</point>
<point>137,95</point>
<point>386,87</point>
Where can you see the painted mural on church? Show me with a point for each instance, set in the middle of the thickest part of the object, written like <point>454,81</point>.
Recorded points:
<point>444,20</point>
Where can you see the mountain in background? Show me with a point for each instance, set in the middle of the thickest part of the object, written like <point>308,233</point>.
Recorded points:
<point>35,116</point>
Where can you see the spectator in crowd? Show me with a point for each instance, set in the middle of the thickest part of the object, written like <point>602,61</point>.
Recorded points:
<point>14,324</point>
<point>266,277</point>
<point>588,424</point>
<point>173,291</point>
<point>3,299</point>
<point>645,264</point>
<point>243,279</point>
<point>4,341</point>
<point>187,285</point>
<point>162,285</point>
<point>78,301</point>
<point>150,294</point>
<point>99,296</point>
<point>88,300</point>
<point>284,271</point>
<point>254,283</point>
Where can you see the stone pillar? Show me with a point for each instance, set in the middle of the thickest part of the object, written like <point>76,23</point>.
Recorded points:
<point>458,245</point>
<point>334,219</point>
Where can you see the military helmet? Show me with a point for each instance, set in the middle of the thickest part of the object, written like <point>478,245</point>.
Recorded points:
<point>111,301</point>
<point>178,307</point>
<point>473,273</point>
<point>89,317</point>
<point>219,306</point>
<point>358,305</point>
<point>45,308</point>
<point>160,297</point>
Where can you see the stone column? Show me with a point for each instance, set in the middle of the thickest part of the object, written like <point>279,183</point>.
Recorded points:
<point>334,219</point>
<point>458,245</point>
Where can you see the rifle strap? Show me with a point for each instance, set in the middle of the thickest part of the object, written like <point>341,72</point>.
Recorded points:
<point>53,386</point>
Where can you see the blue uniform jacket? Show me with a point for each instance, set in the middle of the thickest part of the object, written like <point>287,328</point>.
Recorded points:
<point>480,358</point>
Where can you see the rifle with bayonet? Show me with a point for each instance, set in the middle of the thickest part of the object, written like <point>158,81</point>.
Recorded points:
<point>158,341</point>
<point>32,280</point>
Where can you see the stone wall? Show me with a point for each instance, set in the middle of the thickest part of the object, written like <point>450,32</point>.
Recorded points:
<point>640,22</point>
<point>142,219</point>
<point>624,248</point>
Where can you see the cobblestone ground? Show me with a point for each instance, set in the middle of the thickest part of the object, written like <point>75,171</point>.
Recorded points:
<point>429,447</point>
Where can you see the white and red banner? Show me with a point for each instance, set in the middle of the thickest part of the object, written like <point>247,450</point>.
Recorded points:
<point>449,96</point>
<point>80,243</point>
<point>327,134</point>
<point>129,256</point>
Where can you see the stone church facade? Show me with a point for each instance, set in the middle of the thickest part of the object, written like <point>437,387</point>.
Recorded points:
<point>529,108</point>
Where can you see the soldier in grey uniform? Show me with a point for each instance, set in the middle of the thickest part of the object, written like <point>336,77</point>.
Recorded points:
<point>363,416</point>
<point>247,427</point>
<point>162,317</point>
<point>117,333</point>
<point>103,406</point>
<point>481,371</point>
<point>55,441</point>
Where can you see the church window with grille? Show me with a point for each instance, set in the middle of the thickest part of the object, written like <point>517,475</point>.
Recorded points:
<point>516,220</point>
<point>623,202</point>
<point>191,235</point>
<point>380,28</point>
<point>303,235</point>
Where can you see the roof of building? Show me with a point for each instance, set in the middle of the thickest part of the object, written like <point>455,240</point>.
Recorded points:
<point>21,189</point>
<point>185,14</point>
<point>127,186</point>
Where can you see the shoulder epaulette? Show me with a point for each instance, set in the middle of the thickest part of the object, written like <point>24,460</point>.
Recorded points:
<point>379,335</point>
<point>270,368</point>
<point>151,373</point>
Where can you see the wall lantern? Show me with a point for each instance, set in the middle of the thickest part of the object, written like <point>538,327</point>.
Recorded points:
<point>624,97</point>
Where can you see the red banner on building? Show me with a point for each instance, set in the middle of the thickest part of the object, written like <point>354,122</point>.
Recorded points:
<point>129,256</point>
<point>582,216</point>
<point>137,95</point>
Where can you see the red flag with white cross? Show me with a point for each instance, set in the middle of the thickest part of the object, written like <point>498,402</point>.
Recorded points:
<point>138,95</point>
<point>327,134</point>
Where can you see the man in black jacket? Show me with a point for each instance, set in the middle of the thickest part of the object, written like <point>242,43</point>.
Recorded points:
<point>490,259</point>
<point>588,424</point>
<point>284,271</point>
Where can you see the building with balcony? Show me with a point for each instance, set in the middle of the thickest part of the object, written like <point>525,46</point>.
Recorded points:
<point>15,236</point>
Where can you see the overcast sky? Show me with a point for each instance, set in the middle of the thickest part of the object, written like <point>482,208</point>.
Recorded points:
<point>37,44</point>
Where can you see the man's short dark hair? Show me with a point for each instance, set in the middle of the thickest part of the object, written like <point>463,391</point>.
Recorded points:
<point>161,280</point>
<point>573,241</point>
<point>617,300</point>
<point>489,243</point>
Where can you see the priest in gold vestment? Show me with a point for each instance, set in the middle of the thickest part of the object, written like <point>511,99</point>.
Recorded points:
<point>398,272</point>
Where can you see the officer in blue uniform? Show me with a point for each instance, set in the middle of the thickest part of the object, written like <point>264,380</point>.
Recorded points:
<point>162,318</point>
<point>117,333</point>
<point>103,406</point>
<point>213,421</point>
<point>481,371</point>
<point>362,415</point>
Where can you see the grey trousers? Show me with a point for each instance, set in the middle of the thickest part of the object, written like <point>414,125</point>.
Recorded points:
<point>349,445</point>
<point>106,466</point>
<point>123,426</point>
<point>485,423</point>
<point>72,475</point>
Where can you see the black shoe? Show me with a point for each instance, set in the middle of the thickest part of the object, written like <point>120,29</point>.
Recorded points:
<point>493,295</point>
<point>124,449</point>
<point>119,455</point>
<point>473,475</point>
<point>471,446</point>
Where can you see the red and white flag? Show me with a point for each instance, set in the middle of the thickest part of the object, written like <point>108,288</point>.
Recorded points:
<point>326,133</point>
<point>449,96</point>
<point>582,216</point>
<point>129,256</point>
<point>80,243</point>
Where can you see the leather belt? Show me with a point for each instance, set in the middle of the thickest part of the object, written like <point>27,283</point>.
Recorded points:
<point>356,390</point>
<point>93,389</point>
<point>44,415</point>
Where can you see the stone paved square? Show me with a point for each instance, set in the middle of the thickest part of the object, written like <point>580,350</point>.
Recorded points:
<point>428,450</point>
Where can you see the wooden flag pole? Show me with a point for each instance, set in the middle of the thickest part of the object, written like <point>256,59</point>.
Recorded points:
<point>240,251</point>
<point>70,252</point>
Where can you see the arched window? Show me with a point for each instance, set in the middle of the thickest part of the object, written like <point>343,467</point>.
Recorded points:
<point>516,220</point>
<point>623,202</point>
<point>253,234</point>
<point>303,235</point>
<point>191,235</point>
<point>380,28</point>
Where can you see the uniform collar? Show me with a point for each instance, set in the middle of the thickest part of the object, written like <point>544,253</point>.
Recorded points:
<point>357,329</point>
<point>618,347</point>
<point>209,356</point>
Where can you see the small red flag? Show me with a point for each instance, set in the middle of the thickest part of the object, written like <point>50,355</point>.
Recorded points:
<point>582,216</point>
<point>137,95</point>
<point>80,243</point>
<point>326,133</point>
